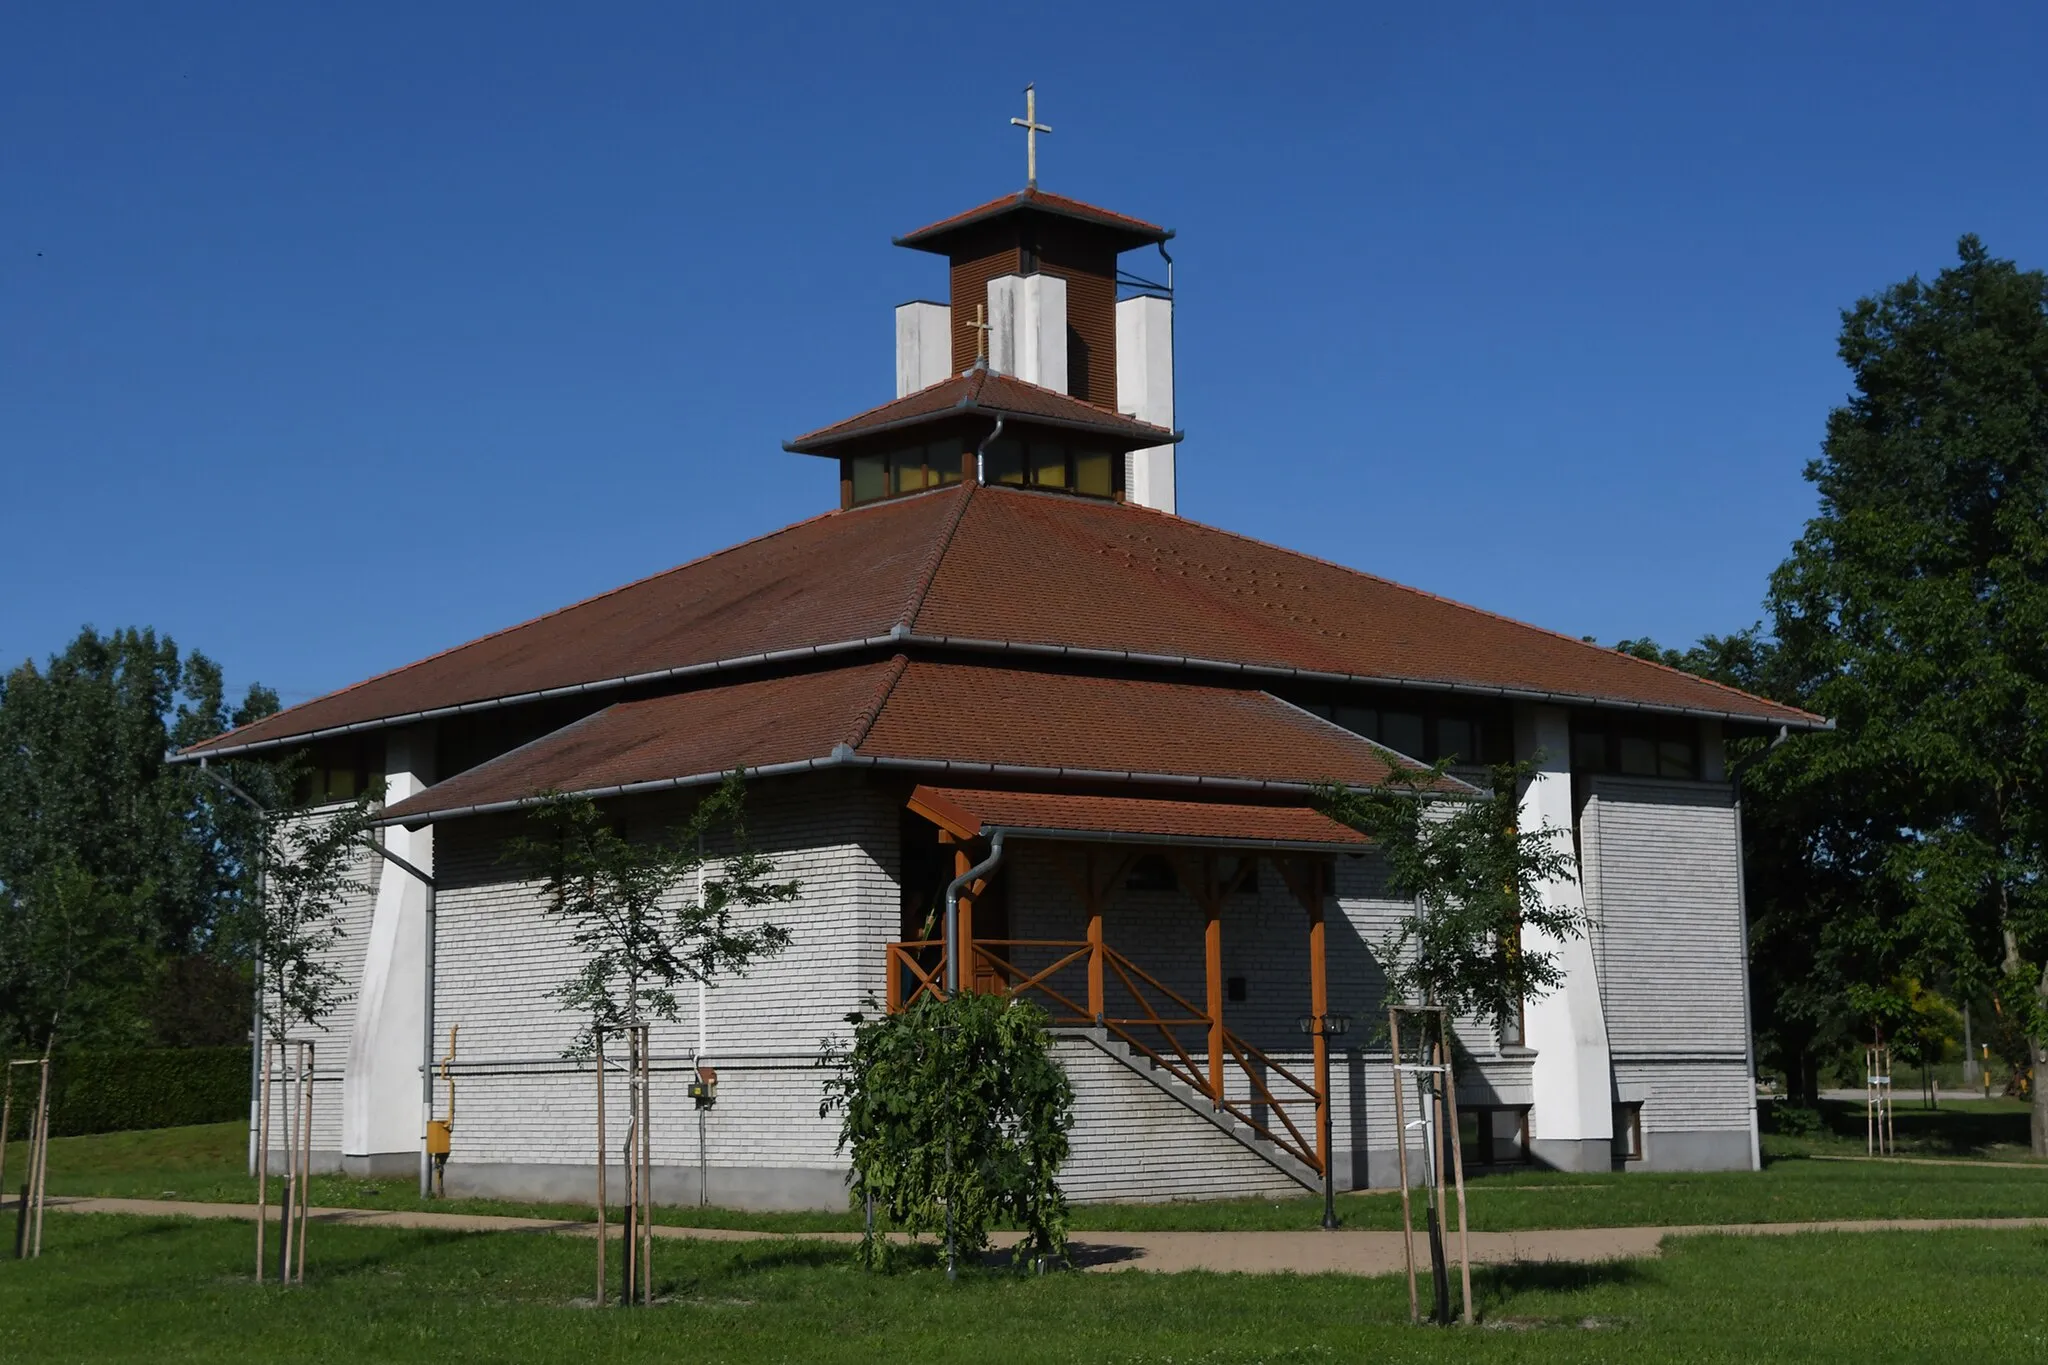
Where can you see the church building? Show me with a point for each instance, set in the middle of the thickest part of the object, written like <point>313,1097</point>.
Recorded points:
<point>1004,662</point>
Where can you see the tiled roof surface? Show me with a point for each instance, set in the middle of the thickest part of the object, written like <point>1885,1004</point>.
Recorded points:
<point>1130,579</point>
<point>1032,569</point>
<point>844,576</point>
<point>969,717</point>
<point>1136,231</point>
<point>983,390</point>
<point>1137,816</point>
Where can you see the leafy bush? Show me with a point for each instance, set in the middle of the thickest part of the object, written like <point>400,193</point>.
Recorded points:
<point>956,1104</point>
<point>1795,1120</point>
<point>112,1091</point>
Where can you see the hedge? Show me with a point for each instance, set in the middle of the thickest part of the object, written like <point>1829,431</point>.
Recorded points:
<point>114,1091</point>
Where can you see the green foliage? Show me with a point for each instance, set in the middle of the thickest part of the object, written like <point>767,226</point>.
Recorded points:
<point>84,789</point>
<point>122,1090</point>
<point>956,1104</point>
<point>1793,1120</point>
<point>1477,880</point>
<point>77,952</point>
<point>311,872</point>
<point>639,937</point>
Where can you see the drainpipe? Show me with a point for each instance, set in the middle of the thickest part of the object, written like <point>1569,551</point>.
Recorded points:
<point>953,888</point>
<point>979,475</point>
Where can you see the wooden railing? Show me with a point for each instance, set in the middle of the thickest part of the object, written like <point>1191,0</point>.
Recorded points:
<point>1275,1103</point>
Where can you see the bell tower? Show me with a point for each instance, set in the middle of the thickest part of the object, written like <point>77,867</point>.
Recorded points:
<point>1039,272</point>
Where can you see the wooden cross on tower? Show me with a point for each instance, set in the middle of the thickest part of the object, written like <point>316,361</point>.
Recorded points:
<point>1032,128</point>
<point>981,328</point>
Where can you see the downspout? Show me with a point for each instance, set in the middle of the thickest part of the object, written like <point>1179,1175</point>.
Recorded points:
<point>1735,771</point>
<point>982,449</point>
<point>953,889</point>
<point>427,1002</point>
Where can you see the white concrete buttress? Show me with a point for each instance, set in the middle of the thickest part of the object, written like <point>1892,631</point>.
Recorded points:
<point>1027,336</point>
<point>1572,1122</point>
<point>924,345</point>
<point>1144,390</point>
<point>380,1092</point>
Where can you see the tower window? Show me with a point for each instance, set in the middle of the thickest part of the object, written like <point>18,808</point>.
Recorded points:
<point>912,469</point>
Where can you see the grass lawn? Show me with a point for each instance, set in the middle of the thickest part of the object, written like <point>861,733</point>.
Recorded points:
<point>206,1163</point>
<point>1989,1129</point>
<point>111,1288</point>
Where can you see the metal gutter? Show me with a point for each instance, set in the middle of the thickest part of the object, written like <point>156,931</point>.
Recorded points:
<point>773,656</point>
<point>844,757</point>
<point>1153,436</point>
<point>898,636</point>
<point>1189,661</point>
<point>1177,840</point>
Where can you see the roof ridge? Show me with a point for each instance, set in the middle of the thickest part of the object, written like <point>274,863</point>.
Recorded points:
<point>1494,615</point>
<point>869,714</point>
<point>922,588</point>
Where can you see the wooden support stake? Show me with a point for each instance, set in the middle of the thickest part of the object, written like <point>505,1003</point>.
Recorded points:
<point>263,1154</point>
<point>1401,1153</point>
<point>603,1157</point>
<point>1458,1169</point>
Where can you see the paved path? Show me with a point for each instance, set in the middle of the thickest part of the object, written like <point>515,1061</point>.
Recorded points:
<point>1307,1253</point>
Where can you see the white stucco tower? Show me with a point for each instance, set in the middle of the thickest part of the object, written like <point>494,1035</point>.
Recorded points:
<point>380,1102</point>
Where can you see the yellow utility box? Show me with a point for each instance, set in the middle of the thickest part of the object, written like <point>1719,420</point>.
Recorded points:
<point>437,1137</point>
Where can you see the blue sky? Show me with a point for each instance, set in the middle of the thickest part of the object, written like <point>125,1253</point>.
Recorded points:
<point>330,338</point>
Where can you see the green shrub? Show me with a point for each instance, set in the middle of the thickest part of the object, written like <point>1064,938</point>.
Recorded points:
<point>115,1090</point>
<point>956,1105</point>
<point>1795,1120</point>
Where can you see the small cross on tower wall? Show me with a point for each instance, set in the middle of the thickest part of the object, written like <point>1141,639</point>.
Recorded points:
<point>1032,128</point>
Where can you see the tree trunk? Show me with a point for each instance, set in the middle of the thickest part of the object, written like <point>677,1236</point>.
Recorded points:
<point>2038,1094</point>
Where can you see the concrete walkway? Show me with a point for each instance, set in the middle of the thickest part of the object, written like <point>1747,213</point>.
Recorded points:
<point>1303,1253</point>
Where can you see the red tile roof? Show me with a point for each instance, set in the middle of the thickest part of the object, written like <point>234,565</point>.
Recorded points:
<point>934,717</point>
<point>974,812</point>
<point>1131,232</point>
<point>983,390</point>
<point>942,568</point>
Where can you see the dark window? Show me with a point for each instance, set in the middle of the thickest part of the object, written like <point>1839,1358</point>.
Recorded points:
<point>1457,740</point>
<point>1401,731</point>
<point>1233,989</point>
<point>1636,745</point>
<point>870,477</point>
<point>1152,873</point>
<point>1628,1131</point>
<point>1003,462</point>
<point>1494,1135</point>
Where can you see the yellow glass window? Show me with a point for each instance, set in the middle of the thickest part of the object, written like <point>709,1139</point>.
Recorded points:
<point>870,477</point>
<point>942,463</point>
<point>1048,464</point>
<point>1093,473</point>
<point>907,471</point>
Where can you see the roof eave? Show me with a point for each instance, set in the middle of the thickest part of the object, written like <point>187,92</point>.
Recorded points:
<point>1157,436</point>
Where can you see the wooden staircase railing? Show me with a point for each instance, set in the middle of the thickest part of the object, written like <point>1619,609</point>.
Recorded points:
<point>1272,1101</point>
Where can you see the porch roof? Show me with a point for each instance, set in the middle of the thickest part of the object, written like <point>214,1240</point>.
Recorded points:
<point>973,812</point>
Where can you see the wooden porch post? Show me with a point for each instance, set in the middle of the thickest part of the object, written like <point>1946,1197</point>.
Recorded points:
<point>1319,1005</point>
<point>1212,952</point>
<point>1094,907</point>
<point>962,861</point>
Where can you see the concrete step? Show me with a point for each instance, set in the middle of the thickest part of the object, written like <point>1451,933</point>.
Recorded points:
<point>1196,1103</point>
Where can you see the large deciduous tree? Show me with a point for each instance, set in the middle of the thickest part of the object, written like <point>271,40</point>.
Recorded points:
<point>85,793</point>
<point>1914,610</point>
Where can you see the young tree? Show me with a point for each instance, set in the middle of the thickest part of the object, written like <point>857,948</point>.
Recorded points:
<point>956,1116</point>
<point>313,868</point>
<point>1476,878</point>
<point>638,936</point>
<point>641,934</point>
<point>71,953</point>
<point>1915,609</point>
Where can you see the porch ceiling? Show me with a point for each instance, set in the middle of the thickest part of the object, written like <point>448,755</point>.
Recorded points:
<point>971,813</point>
